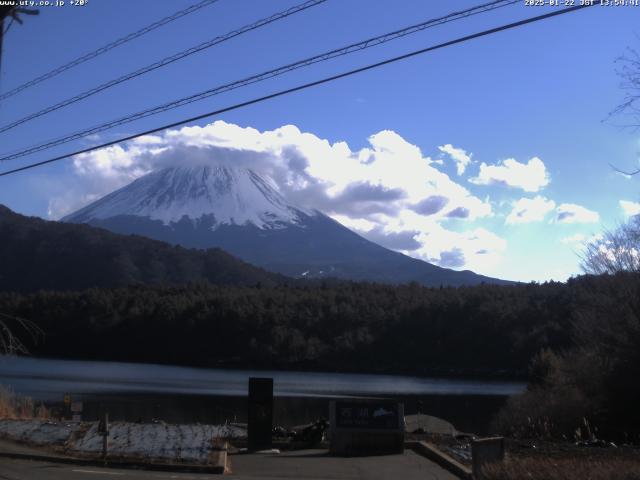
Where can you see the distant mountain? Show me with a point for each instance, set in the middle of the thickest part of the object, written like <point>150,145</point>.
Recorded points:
<point>243,213</point>
<point>40,255</point>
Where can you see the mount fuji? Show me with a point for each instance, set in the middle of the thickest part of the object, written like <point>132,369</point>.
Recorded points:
<point>243,213</point>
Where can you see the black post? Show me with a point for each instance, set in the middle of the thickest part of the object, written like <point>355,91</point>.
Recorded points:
<point>260,423</point>
<point>103,428</point>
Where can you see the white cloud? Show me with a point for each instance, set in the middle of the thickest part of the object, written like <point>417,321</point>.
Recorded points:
<point>116,165</point>
<point>620,256</point>
<point>572,213</point>
<point>388,191</point>
<point>386,177</point>
<point>65,203</point>
<point>530,177</point>
<point>630,208</point>
<point>528,210</point>
<point>624,175</point>
<point>477,249</point>
<point>577,238</point>
<point>360,224</point>
<point>458,155</point>
<point>149,140</point>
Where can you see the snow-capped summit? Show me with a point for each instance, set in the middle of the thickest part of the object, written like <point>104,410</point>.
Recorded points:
<point>232,196</point>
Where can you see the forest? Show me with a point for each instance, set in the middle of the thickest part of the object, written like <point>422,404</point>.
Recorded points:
<point>483,330</point>
<point>575,341</point>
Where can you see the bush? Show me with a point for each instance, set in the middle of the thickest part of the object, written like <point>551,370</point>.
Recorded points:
<point>14,406</point>
<point>564,469</point>
<point>590,390</point>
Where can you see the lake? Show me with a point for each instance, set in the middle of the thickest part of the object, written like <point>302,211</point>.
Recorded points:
<point>142,392</point>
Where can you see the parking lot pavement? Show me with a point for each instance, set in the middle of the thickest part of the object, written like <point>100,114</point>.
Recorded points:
<point>318,465</point>
<point>303,465</point>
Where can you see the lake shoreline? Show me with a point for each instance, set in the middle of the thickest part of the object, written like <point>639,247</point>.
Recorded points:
<point>189,395</point>
<point>433,372</point>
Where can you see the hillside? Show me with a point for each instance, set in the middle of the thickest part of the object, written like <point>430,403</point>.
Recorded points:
<point>40,255</point>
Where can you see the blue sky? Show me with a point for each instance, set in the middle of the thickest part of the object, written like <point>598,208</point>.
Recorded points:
<point>541,92</point>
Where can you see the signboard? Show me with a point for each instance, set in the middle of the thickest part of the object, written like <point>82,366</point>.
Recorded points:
<point>260,422</point>
<point>366,427</point>
<point>76,407</point>
<point>485,451</point>
<point>379,415</point>
<point>76,418</point>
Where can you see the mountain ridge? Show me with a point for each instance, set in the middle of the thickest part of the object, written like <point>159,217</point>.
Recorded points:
<point>243,213</point>
<point>36,254</point>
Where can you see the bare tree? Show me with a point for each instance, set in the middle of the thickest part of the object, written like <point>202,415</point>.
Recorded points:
<point>615,250</point>
<point>629,72</point>
<point>11,343</point>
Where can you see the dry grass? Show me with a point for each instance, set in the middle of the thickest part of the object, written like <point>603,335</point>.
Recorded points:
<point>14,406</point>
<point>533,468</point>
<point>546,414</point>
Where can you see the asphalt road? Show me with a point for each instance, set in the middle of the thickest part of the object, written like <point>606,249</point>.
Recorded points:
<point>30,470</point>
<point>304,465</point>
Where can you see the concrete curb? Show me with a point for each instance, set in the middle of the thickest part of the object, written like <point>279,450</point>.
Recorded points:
<point>435,455</point>
<point>219,468</point>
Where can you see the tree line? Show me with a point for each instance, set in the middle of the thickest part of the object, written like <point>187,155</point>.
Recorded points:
<point>484,330</point>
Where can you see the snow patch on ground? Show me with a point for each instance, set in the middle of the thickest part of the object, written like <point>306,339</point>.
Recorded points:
<point>159,441</point>
<point>38,432</point>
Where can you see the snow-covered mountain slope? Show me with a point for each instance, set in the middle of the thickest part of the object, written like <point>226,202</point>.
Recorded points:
<point>243,213</point>
<point>230,196</point>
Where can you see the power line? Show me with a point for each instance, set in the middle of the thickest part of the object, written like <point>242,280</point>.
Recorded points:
<point>309,85</point>
<point>110,46</point>
<point>166,61</point>
<point>365,44</point>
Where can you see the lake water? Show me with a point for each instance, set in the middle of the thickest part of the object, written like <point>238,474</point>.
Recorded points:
<point>182,394</point>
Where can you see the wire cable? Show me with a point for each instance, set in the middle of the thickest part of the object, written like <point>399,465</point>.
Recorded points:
<point>166,61</point>
<point>365,44</point>
<point>307,85</point>
<point>110,46</point>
